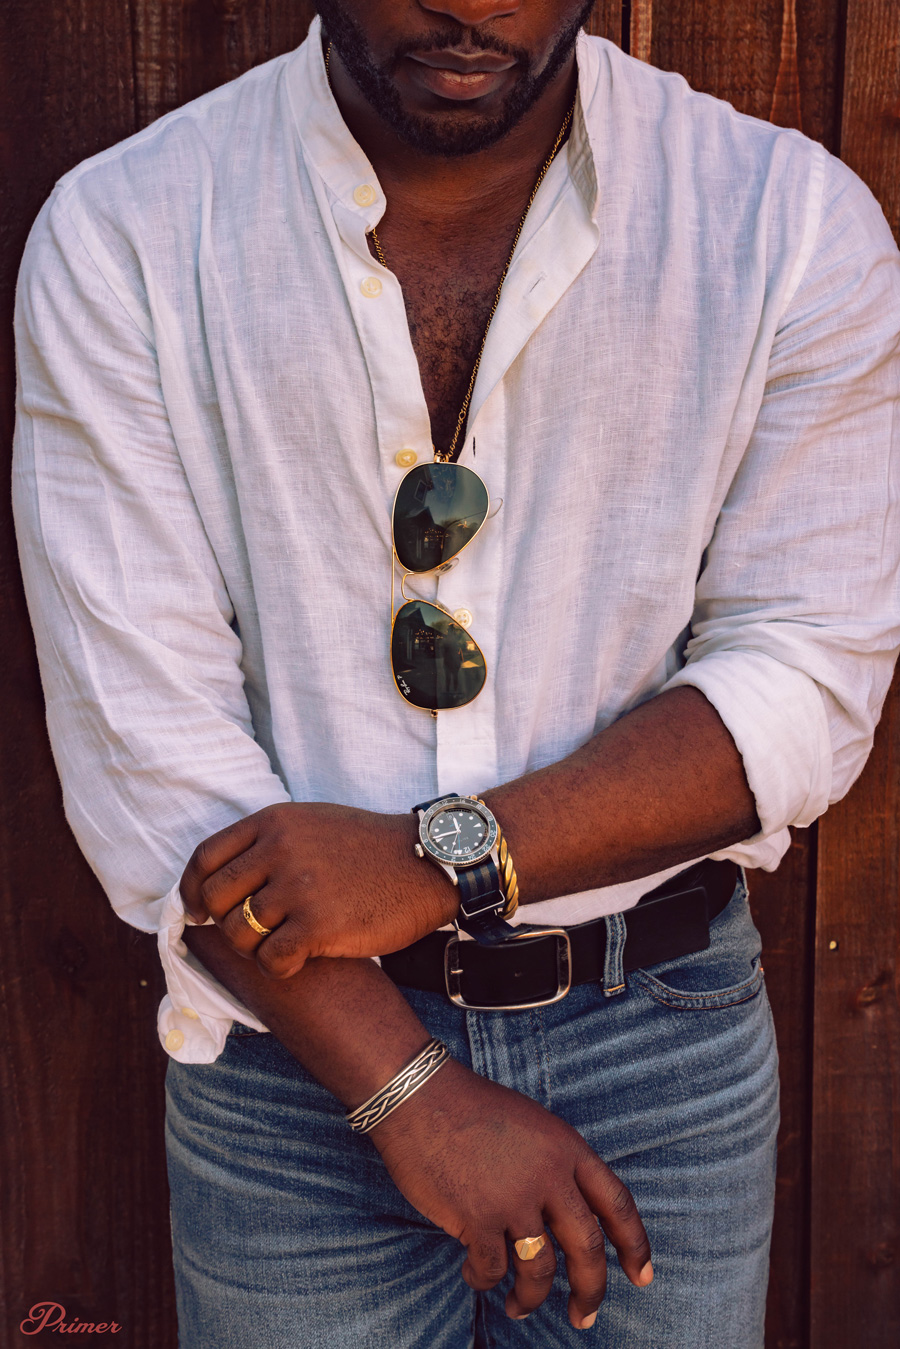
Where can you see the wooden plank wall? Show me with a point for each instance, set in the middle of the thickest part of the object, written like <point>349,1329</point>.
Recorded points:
<point>82,1176</point>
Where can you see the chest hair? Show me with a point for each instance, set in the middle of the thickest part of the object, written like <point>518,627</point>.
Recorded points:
<point>448,299</point>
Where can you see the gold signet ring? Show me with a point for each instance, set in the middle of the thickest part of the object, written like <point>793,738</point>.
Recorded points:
<point>529,1247</point>
<point>248,914</point>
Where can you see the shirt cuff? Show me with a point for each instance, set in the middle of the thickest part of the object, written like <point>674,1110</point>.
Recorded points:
<point>776,717</point>
<point>196,1014</point>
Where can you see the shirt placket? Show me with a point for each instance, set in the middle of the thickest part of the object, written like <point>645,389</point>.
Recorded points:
<point>549,259</point>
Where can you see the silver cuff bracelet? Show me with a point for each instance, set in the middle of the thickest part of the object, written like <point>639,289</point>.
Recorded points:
<point>395,1092</point>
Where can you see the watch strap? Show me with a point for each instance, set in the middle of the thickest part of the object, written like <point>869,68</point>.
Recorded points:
<point>481,901</point>
<point>482,898</point>
<point>426,805</point>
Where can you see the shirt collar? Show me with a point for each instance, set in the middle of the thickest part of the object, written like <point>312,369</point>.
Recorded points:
<point>331,151</point>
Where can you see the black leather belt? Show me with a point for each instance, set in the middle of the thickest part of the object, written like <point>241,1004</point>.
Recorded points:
<point>538,968</point>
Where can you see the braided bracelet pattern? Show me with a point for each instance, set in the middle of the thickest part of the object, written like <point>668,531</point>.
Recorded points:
<point>399,1089</point>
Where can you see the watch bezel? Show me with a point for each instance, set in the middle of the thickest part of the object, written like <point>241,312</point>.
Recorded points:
<point>455,802</point>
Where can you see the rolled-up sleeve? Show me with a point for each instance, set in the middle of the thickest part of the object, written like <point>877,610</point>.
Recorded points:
<point>139,657</point>
<point>797,617</point>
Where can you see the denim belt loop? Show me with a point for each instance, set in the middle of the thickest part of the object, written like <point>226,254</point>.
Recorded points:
<point>613,971</point>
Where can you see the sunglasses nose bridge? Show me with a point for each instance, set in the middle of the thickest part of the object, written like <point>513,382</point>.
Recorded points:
<point>432,571</point>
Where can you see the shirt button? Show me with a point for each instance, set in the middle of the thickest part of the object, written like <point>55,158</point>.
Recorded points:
<point>371,287</point>
<point>463,617</point>
<point>174,1039</point>
<point>364,195</point>
<point>405,458</point>
<point>189,1011</point>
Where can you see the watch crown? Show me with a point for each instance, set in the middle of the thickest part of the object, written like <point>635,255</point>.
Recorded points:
<point>419,850</point>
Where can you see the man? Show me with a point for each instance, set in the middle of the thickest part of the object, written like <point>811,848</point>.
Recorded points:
<point>665,338</point>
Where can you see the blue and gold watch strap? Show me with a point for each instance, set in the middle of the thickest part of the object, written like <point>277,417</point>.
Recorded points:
<point>481,895</point>
<point>481,901</point>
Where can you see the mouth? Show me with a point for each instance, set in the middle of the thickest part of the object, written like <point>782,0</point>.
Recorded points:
<point>452,75</point>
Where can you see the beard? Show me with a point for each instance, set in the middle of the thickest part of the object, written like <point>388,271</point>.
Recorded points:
<point>446,134</point>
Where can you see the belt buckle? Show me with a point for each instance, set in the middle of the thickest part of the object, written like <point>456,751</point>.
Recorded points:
<point>453,973</point>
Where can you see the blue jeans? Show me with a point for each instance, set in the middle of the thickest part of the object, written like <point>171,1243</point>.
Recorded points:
<point>288,1233</point>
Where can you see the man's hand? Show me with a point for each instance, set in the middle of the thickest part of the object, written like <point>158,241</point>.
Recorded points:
<point>328,880</point>
<point>491,1166</point>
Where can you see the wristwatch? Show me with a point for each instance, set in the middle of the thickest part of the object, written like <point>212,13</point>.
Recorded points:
<point>461,836</point>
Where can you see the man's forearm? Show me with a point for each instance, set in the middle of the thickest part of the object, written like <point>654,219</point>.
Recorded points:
<point>661,786</point>
<point>344,1020</point>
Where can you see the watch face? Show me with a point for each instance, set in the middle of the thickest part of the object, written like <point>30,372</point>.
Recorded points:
<point>460,834</point>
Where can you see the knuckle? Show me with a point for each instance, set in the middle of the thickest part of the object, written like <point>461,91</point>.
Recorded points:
<point>488,1250</point>
<point>277,821</point>
<point>210,893</point>
<point>591,1291</point>
<point>541,1278</point>
<point>232,871</point>
<point>201,858</point>
<point>621,1202</point>
<point>593,1243</point>
<point>277,964</point>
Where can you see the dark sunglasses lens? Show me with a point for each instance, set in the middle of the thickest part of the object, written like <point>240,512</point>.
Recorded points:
<point>439,508</point>
<point>436,663</point>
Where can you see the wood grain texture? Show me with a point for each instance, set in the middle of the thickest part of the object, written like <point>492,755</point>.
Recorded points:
<point>85,1217</point>
<point>606,20</point>
<point>747,53</point>
<point>640,36</point>
<point>786,109</point>
<point>783,906</point>
<point>183,48</point>
<point>855,1200</point>
<point>870,138</point>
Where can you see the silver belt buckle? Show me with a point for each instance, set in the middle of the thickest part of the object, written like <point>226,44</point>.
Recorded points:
<point>453,973</point>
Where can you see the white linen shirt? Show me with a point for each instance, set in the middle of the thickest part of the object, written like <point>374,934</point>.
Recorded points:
<point>687,403</point>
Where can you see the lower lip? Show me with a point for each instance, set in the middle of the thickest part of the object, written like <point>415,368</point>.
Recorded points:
<point>460,88</point>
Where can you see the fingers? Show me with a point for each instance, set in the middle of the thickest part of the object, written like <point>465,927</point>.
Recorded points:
<point>534,1278</point>
<point>264,906</point>
<point>581,1238</point>
<point>209,857</point>
<point>246,874</point>
<point>611,1201</point>
<point>486,1260</point>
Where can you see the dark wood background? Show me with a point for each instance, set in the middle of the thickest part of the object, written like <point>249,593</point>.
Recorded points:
<point>82,1174</point>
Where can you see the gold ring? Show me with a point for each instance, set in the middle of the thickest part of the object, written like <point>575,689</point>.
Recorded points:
<point>529,1247</point>
<point>248,914</point>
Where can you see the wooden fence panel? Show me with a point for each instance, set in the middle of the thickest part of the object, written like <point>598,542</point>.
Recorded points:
<point>85,1218</point>
<point>855,1200</point>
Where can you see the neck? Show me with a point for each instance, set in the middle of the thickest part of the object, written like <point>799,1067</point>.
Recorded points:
<point>467,184</point>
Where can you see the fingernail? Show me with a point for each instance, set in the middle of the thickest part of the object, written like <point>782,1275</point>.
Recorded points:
<point>646,1275</point>
<point>523,1317</point>
<point>588,1321</point>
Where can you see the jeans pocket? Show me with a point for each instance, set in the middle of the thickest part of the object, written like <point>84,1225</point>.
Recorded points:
<point>702,1001</point>
<point>728,972</point>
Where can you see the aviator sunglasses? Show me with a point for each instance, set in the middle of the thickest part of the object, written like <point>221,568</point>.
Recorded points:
<point>438,510</point>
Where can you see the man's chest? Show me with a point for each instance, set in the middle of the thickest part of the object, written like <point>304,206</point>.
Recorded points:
<point>449,294</point>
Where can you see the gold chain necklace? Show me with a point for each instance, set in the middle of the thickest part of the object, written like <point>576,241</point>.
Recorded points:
<point>379,252</point>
